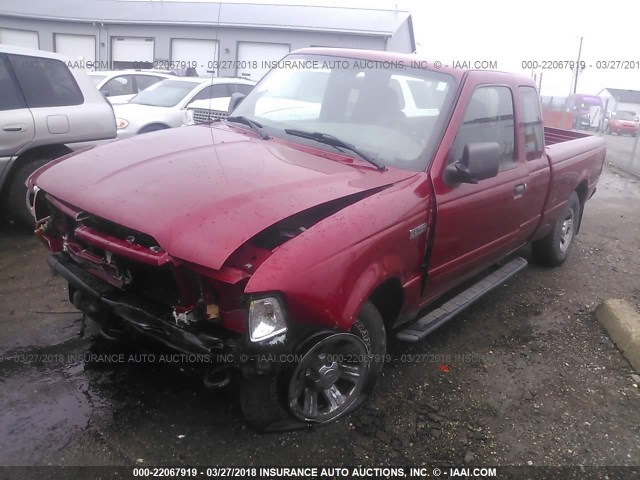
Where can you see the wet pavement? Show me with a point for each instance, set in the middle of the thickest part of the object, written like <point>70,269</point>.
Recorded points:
<point>526,375</point>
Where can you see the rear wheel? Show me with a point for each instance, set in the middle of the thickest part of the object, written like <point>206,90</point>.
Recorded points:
<point>553,249</point>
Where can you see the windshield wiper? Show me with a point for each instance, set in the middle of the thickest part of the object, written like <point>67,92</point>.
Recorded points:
<point>334,142</point>
<point>255,126</point>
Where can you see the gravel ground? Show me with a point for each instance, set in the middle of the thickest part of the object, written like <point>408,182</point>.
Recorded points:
<point>525,377</point>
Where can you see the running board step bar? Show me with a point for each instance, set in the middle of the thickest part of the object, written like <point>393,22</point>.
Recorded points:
<point>434,319</point>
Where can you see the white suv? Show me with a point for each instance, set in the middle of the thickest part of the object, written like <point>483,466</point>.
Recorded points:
<point>120,86</point>
<point>46,110</point>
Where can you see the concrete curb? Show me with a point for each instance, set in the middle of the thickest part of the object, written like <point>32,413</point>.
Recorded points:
<point>622,323</point>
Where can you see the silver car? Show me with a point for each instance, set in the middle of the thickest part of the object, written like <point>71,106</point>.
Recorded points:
<point>46,110</point>
<point>163,104</point>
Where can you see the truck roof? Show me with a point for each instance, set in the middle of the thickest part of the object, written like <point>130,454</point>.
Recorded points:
<point>406,58</point>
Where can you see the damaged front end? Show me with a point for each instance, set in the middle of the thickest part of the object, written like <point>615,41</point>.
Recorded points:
<point>123,280</point>
<point>130,286</point>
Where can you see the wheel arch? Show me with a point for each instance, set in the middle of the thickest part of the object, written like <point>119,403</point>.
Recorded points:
<point>42,151</point>
<point>388,298</point>
<point>380,285</point>
<point>582,190</point>
<point>153,127</point>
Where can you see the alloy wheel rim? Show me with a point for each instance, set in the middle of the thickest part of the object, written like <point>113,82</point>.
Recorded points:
<point>566,232</point>
<point>329,378</point>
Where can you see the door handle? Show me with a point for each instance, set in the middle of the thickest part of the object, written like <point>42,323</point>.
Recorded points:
<point>519,190</point>
<point>13,128</point>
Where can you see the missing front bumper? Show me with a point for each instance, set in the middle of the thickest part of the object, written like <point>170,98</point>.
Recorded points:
<point>101,300</point>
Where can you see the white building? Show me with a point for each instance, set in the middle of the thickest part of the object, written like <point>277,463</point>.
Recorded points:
<point>232,39</point>
<point>616,99</point>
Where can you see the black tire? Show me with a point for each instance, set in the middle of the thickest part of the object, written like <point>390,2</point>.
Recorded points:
<point>369,327</point>
<point>17,192</point>
<point>554,249</point>
<point>262,403</point>
<point>264,399</point>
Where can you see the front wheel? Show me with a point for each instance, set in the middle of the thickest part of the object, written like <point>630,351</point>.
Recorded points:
<point>553,249</point>
<point>333,377</point>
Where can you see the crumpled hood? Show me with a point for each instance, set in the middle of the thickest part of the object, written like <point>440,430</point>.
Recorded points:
<point>203,191</point>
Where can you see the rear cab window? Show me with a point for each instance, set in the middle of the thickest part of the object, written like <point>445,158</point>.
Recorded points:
<point>532,123</point>
<point>45,82</point>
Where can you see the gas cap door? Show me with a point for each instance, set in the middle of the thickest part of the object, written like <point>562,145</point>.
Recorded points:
<point>57,124</point>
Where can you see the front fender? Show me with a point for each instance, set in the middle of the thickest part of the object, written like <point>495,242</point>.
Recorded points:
<point>329,271</point>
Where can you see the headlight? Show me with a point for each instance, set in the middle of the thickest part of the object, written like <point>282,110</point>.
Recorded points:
<point>121,123</point>
<point>266,319</point>
<point>188,117</point>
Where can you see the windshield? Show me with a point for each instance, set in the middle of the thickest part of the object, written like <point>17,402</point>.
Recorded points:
<point>385,109</point>
<point>167,93</point>
<point>621,115</point>
<point>96,79</point>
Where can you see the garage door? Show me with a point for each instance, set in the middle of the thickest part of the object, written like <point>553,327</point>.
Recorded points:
<point>19,38</point>
<point>78,47</point>
<point>132,52</point>
<point>201,52</point>
<point>251,53</point>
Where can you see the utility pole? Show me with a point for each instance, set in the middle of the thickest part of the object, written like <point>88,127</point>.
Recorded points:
<point>575,82</point>
<point>540,84</point>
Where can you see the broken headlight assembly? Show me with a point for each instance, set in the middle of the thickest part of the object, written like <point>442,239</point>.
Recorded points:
<point>266,319</point>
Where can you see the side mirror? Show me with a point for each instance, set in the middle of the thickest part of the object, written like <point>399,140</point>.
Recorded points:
<point>234,101</point>
<point>104,93</point>
<point>479,161</point>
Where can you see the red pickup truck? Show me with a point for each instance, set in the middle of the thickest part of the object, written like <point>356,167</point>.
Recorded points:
<point>351,196</point>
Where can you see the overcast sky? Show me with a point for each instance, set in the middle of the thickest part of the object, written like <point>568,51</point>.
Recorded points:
<point>511,32</point>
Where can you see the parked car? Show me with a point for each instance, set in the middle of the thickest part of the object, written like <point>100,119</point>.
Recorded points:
<point>163,105</point>
<point>623,122</point>
<point>206,110</point>
<point>296,246</point>
<point>45,110</point>
<point>120,86</point>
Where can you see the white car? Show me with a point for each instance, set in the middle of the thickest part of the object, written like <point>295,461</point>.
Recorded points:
<point>164,104</point>
<point>120,86</point>
<point>206,110</point>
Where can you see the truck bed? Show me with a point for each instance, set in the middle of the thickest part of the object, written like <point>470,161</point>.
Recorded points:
<point>581,149</point>
<point>575,159</point>
<point>554,135</point>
